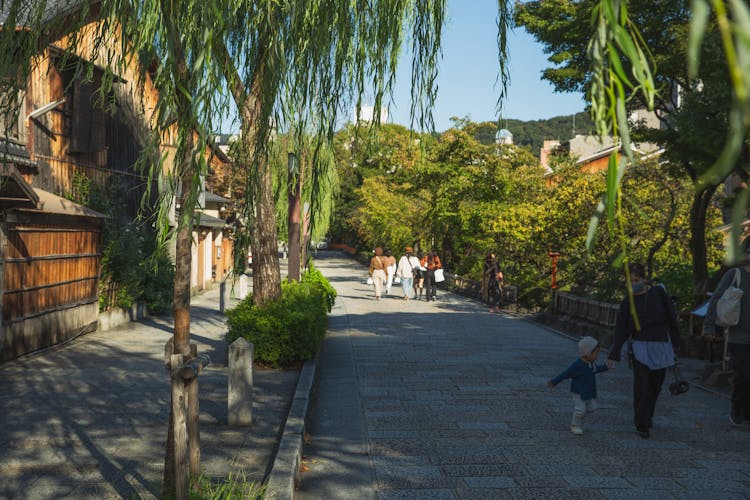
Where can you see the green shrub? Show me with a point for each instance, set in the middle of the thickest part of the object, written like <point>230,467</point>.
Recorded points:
<point>312,275</point>
<point>157,286</point>
<point>287,330</point>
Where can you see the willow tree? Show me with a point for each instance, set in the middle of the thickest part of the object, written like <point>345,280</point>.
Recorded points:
<point>297,65</point>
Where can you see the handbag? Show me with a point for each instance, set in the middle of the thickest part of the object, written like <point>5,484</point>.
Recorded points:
<point>728,305</point>
<point>439,275</point>
<point>369,281</point>
<point>396,280</point>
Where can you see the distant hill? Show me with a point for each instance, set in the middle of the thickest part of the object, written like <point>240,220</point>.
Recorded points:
<point>531,134</point>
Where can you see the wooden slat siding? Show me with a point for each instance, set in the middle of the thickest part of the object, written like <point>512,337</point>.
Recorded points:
<point>602,313</point>
<point>49,269</point>
<point>63,172</point>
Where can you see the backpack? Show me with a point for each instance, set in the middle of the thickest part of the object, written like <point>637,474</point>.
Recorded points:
<point>728,305</point>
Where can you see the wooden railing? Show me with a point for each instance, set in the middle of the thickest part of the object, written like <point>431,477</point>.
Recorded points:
<point>473,288</point>
<point>64,171</point>
<point>602,313</point>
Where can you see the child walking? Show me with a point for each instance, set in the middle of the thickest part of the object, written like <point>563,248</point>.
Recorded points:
<point>583,381</point>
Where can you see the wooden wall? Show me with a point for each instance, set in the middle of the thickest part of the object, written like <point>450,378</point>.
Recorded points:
<point>51,278</point>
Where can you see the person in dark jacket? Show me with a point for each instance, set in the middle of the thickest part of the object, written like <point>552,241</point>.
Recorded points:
<point>650,338</point>
<point>738,339</point>
<point>582,375</point>
<point>492,281</point>
<point>431,262</point>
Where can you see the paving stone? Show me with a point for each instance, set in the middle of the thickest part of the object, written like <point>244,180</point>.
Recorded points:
<point>489,482</point>
<point>555,494</point>
<point>411,494</point>
<point>480,470</point>
<point>596,482</point>
<point>474,493</point>
<point>399,461</point>
<point>653,483</point>
<point>640,494</point>
<point>713,485</point>
<point>542,481</point>
<point>392,434</point>
<point>559,470</point>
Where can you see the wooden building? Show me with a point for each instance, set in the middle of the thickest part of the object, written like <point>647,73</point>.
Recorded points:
<point>50,247</point>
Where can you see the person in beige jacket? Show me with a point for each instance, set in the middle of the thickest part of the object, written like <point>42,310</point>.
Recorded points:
<point>378,266</point>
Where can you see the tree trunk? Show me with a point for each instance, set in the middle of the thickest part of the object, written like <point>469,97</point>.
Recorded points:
<point>266,271</point>
<point>183,254</point>
<point>698,213</point>
<point>294,196</point>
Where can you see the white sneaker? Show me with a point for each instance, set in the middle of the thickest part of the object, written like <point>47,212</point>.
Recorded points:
<point>577,430</point>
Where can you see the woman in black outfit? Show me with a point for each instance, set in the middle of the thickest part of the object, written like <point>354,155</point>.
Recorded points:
<point>651,338</point>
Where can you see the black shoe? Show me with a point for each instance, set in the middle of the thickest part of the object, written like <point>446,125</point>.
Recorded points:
<point>735,418</point>
<point>643,432</point>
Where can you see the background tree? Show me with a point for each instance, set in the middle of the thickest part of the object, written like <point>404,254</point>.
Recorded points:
<point>664,25</point>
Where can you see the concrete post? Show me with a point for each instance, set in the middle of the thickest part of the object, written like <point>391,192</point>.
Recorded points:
<point>243,287</point>
<point>240,394</point>
<point>223,295</point>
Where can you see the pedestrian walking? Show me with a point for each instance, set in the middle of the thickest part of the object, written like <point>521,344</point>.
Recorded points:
<point>390,270</point>
<point>737,337</point>
<point>419,275</point>
<point>492,279</point>
<point>377,272</point>
<point>406,271</point>
<point>430,263</point>
<point>582,374</point>
<point>650,339</point>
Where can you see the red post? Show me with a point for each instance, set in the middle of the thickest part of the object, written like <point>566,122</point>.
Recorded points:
<point>554,255</point>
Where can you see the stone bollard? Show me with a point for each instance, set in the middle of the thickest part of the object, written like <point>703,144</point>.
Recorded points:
<point>243,287</point>
<point>240,394</point>
<point>223,295</point>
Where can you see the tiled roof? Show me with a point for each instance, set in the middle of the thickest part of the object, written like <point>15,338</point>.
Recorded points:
<point>52,9</point>
<point>13,152</point>
<point>215,198</point>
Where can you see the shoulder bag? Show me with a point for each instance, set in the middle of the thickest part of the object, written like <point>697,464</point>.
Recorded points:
<point>728,305</point>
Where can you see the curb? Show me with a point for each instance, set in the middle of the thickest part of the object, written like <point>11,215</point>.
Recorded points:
<point>286,464</point>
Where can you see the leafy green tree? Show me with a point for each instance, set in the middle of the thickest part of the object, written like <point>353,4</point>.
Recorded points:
<point>693,137</point>
<point>389,151</point>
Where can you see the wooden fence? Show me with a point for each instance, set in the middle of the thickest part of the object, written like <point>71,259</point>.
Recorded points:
<point>595,311</point>
<point>473,288</point>
<point>51,280</point>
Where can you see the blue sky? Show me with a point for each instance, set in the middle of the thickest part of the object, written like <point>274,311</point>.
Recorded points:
<point>469,69</point>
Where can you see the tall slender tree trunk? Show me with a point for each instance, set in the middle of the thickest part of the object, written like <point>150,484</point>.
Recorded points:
<point>183,252</point>
<point>266,270</point>
<point>293,203</point>
<point>698,213</point>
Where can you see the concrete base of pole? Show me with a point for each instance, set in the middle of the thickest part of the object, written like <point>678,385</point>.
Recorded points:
<point>240,392</point>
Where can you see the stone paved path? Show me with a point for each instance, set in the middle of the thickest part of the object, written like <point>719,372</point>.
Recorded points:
<point>89,419</point>
<point>444,400</point>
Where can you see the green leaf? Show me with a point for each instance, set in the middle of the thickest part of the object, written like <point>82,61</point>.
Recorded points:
<point>594,224</point>
<point>739,215</point>
<point>613,181</point>
<point>729,154</point>
<point>698,23</point>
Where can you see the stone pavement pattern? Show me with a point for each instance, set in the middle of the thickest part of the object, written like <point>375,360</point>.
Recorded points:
<point>442,400</point>
<point>89,419</point>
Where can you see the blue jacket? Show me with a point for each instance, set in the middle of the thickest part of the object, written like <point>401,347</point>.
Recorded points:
<point>583,378</point>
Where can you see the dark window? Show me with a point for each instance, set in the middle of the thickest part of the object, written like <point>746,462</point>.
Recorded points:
<point>88,119</point>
